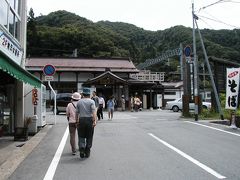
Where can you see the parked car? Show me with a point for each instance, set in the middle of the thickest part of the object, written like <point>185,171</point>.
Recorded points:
<point>62,100</point>
<point>176,105</point>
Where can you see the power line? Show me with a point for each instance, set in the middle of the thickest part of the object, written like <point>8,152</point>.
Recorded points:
<point>211,27</point>
<point>219,21</point>
<point>212,18</point>
<point>217,2</point>
<point>234,1</point>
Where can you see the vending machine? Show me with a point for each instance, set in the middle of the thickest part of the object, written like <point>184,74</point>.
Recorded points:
<point>35,105</point>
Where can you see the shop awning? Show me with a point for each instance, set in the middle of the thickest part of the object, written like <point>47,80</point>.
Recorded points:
<point>19,73</point>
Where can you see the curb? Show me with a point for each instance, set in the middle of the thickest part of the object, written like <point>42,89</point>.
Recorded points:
<point>20,153</point>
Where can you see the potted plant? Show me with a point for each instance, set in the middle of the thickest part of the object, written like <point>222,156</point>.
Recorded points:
<point>21,133</point>
<point>27,121</point>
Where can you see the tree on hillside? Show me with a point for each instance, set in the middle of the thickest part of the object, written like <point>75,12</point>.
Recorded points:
<point>59,33</point>
<point>32,36</point>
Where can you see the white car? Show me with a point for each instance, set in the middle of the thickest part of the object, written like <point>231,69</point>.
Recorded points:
<point>176,105</point>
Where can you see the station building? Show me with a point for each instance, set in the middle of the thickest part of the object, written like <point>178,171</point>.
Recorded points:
<point>115,76</point>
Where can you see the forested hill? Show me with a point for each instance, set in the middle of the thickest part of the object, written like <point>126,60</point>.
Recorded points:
<point>60,32</point>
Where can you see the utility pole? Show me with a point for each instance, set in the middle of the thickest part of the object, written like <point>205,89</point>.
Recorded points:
<point>210,73</point>
<point>195,62</point>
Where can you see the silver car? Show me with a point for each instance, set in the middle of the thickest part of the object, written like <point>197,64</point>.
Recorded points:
<point>176,105</point>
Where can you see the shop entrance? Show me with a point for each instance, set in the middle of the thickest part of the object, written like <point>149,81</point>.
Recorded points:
<point>6,104</point>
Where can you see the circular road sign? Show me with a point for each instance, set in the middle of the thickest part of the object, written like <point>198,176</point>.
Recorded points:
<point>49,70</point>
<point>187,51</point>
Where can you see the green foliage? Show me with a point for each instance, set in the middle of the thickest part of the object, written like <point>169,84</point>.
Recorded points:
<point>60,32</point>
<point>208,114</point>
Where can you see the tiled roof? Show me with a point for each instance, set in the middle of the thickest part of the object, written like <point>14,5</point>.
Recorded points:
<point>75,64</point>
<point>106,75</point>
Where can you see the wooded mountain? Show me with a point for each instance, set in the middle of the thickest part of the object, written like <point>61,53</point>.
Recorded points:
<point>59,33</point>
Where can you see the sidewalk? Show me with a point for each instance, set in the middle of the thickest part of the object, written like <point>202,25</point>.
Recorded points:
<point>12,153</point>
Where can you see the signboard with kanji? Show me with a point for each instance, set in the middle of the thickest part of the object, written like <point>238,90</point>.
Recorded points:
<point>35,97</point>
<point>232,88</point>
<point>10,48</point>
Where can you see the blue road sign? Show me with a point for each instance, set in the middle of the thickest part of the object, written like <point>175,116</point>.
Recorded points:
<point>49,70</point>
<point>187,51</point>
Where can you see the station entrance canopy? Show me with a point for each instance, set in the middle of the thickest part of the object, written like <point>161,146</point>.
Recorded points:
<point>106,78</point>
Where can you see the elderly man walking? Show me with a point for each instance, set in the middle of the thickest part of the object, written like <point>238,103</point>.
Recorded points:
<point>86,119</point>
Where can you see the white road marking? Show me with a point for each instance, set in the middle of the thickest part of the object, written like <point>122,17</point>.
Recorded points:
<point>235,134</point>
<point>53,166</point>
<point>206,168</point>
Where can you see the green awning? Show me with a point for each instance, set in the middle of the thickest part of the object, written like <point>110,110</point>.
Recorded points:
<point>19,73</point>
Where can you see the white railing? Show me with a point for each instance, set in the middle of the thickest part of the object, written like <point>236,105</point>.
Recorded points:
<point>148,76</point>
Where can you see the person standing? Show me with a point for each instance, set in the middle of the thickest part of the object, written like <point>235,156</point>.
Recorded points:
<point>137,103</point>
<point>71,117</point>
<point>110,107</point>
<point>86,119</point>
<point>132,103</point>
<point>96,99</point>
<point>100,108</point>
<point>123,103</point>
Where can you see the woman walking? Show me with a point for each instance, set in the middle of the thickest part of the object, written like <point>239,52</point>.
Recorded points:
<point>110,107</point>
<point>71,117</point>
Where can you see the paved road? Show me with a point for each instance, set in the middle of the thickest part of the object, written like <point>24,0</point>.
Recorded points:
<point>149,145</point>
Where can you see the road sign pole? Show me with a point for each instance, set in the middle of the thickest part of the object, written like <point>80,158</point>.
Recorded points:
<point>187,80</point>
<point>55,101</point>
<point>49,71</point>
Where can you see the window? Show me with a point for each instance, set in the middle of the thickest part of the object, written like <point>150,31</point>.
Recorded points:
<point>208,95</point>
<point>11,22</point>
<point>9,16</point>
<point>170,93</point>
<point>17,29</point>
<point>17,7</point>
<point>3,13</point>
<point>12,3</point>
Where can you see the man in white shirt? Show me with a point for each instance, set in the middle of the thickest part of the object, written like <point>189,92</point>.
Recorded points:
<point>100,108</point>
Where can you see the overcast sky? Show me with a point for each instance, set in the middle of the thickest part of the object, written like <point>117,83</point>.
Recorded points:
<point>148,14</point>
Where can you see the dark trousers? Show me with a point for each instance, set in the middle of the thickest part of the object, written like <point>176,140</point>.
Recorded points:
<point>100,112</point>
<point>136,107</point>
<point>85,132</point>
